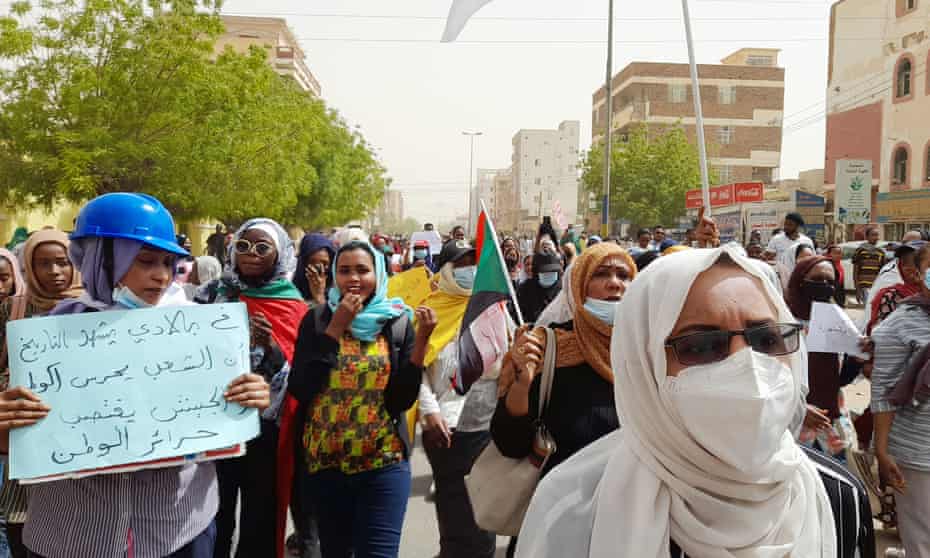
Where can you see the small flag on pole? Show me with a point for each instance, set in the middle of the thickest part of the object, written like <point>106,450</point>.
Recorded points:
<point>459,14</point>
<point>484,337</point>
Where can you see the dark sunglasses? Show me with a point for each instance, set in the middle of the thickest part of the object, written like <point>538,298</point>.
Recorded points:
<point>260,248</point>
<point>708,347</point>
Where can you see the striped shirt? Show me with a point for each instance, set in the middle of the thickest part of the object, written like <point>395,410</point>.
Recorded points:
<point>164,508</point>
<point>897,340</point>
<point>852,514</point>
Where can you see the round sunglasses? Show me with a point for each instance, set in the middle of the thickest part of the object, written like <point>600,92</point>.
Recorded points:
<point>260,248</point>
<point>708,347</point>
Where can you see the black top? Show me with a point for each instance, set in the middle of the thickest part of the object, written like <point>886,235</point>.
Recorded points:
<point>317,354</point>
<point>581,409</point>
<point>533,298</point>
<point>852,514</point>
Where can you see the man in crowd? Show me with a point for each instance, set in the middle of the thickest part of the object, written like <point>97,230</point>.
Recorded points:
<point>643,243</point>
<point>658,235</point>
<point>216,245</point>
<point>867,263</point>
<point>790,235</point>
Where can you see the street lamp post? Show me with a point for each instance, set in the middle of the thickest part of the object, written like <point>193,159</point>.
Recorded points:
<point>471,172</point>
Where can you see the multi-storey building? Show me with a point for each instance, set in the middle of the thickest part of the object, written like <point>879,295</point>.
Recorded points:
<point>878,104</point>
<point>272,34</point>
<point>545,175</point>
<point>742,100</point>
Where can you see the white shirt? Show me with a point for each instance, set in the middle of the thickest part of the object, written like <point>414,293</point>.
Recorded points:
<point>781,242</point>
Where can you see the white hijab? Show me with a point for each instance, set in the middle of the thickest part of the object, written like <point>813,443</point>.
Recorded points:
<point>634,490</point>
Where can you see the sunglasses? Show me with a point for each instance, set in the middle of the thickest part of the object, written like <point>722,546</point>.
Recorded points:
<point>708,347</point>
<point>260,248</point>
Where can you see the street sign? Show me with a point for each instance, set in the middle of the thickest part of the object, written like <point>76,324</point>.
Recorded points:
<point>853,204</point>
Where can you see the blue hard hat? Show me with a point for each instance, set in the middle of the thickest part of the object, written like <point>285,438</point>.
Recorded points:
<point>131,216</point>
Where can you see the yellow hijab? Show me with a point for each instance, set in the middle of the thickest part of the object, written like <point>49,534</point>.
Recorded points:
<point>449,303</point>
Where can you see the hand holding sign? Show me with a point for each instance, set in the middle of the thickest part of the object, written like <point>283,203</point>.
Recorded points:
<point>831,331</point>
<point>129,389</point>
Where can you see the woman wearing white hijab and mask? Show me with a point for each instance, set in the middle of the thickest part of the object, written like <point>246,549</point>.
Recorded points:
<point>706,366</point>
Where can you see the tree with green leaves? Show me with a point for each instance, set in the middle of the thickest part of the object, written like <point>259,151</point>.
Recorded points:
<point>650,174</point>
<point>119,95</point>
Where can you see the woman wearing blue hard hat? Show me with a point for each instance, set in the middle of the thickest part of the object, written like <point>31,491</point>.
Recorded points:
<point>124,245</point>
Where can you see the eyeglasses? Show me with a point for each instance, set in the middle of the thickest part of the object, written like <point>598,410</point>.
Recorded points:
<point>707,347</point>
<point>260,248</point>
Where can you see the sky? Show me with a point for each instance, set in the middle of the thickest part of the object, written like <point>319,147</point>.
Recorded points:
<point>526,64</point>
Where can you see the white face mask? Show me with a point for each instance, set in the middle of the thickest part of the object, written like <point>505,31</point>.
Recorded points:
<point>738,409</point>
<point>124,296</point>
<point>603,310</point>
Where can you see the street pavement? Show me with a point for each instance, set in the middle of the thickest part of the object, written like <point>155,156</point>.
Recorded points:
<point>420,537</point>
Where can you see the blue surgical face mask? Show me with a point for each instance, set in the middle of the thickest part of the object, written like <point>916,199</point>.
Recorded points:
<point>603,310</point>
<point>465,276</point>
<point>927,279</point>
<point>124,296</point>
<point>419,254</point>
<point>548,279</point>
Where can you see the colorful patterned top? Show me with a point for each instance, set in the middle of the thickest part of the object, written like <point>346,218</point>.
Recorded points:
<point>348,427</point>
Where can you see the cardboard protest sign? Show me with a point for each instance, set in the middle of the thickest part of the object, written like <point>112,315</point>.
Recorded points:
<point>129,389</point>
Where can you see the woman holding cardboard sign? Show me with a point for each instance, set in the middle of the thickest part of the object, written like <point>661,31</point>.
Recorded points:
<point>124,247</point>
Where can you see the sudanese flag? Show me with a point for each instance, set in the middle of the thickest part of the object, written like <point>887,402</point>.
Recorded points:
<point>485,334</point>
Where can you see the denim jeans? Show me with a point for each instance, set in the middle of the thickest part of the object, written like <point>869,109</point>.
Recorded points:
<point>360,515</point>
<point>200,547</point>
<point>459,535</point>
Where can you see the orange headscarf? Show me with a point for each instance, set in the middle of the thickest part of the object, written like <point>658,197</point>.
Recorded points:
<point>589,342</point>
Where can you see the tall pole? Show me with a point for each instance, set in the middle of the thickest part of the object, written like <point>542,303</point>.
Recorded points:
<point>608,139</point>
<point>471,173</point>
<point>698,111</point>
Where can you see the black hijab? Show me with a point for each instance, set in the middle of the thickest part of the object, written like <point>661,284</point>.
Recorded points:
<point>533,297</point>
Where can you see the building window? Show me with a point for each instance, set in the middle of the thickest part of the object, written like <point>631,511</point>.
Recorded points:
<point>927,165</point>
<point>758,60</point>
<point>723,174</point>
<point>725,135</point>
<point>899,166</point>
<point>538,182</point>
<point>762,174</point>
<point>536,163</point>
<point>903,71</point>
<point>677,93</point>
<point>726,95</point>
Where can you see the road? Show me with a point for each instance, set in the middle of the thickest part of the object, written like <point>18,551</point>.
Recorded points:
<point>421,535</point>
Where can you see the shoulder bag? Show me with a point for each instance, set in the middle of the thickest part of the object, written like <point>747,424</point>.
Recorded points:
<point>501,488</point>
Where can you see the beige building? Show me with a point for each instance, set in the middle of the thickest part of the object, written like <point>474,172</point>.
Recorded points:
<point>878,104</point>
<point>742,100</point>
<point>545,175</point>
<point>272,34</point>
<point>391,210</point>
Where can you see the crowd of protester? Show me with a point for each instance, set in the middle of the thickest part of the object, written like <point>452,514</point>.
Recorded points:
<point>681,411</point>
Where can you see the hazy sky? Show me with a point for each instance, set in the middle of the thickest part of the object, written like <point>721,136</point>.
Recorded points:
<point>526,64</point>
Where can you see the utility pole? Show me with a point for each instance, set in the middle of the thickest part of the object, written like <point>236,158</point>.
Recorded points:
<point>608,143</point>
<point>471,173</point>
